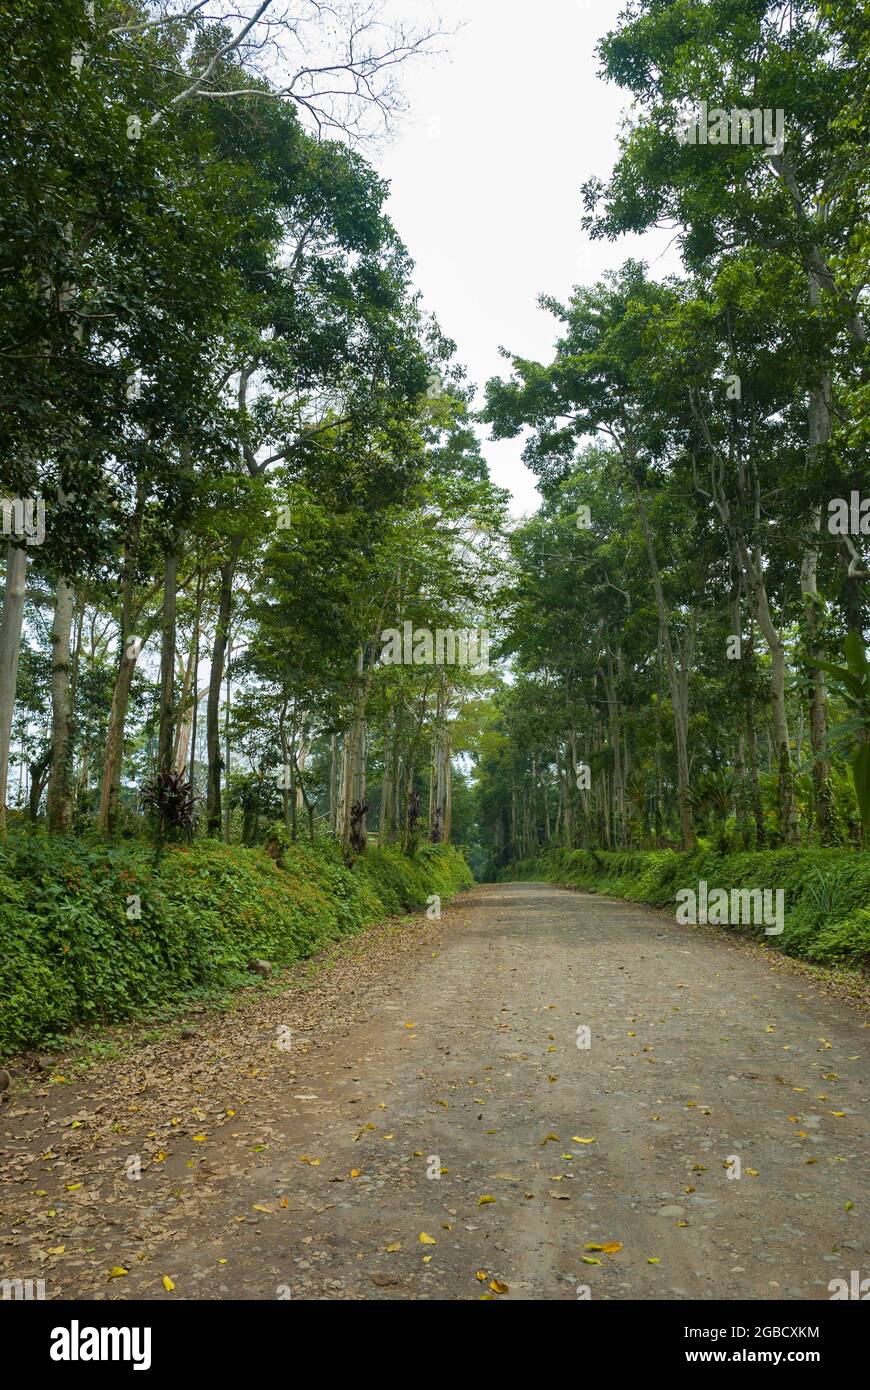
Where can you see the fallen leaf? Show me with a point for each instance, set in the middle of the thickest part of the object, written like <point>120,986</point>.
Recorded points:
<point>168,1284</point>
<point>427,1240</point>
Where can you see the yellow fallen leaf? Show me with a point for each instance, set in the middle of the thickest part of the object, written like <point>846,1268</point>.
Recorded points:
<point>427,1240</point>
<point>482,1275</point>
<point>592,1246</point>
<point>753,1172</point>
<point>73,1186</point>
<point>426,1259</point>
<point>396,1245</point>
<point>840,1114</point>
<point>223,1262</point>
<point>354,1172</point>
<point>284,1202</point>
<point>498,1287</point>
<point>612,1247</point>
<point>410,1025</point>
<point>59,1249</point>
<point>653,1259</point>
<point>199,1138</point>
<point>575,1139</point>
<point>116,1271</point>
<point>847,1206</point>
<point>168,1284</point>
<point>590,1260</point>
<point>482,1201</point>
<point>256,1207</point>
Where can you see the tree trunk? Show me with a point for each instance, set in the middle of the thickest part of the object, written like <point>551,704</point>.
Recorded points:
<point>679,696</point>
<point>819,432</point>
<point>129,648</point>
<point>214,816</point>
<point>10,648</point>
<point>38,779</point>
<point>60,778</point>
<point>166,735</point>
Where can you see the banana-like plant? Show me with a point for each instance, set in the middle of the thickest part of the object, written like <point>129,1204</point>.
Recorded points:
<point>853,684</point>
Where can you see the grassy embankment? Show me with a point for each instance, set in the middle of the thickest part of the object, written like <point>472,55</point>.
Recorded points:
<point>826,891</point>
<point>75,952</point>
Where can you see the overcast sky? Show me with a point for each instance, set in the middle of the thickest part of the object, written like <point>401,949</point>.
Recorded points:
<point>485,170</point>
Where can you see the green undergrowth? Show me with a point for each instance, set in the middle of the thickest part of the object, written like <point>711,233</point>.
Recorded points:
<point>826,891</point>
<point>74,950</point>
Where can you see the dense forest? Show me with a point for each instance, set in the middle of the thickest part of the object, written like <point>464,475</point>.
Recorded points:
<point>259,586</point>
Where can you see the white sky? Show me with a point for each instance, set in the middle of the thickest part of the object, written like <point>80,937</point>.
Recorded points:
<point>485,169</point>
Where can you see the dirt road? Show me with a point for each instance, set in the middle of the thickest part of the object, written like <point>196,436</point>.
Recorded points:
<point>439,1063</point>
